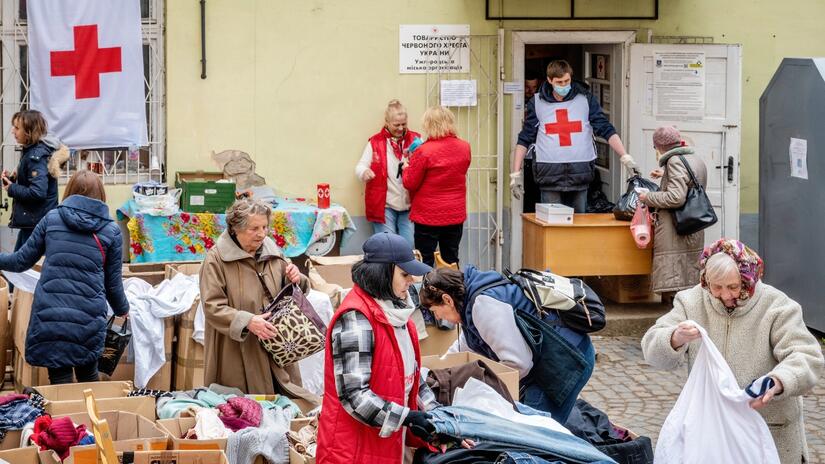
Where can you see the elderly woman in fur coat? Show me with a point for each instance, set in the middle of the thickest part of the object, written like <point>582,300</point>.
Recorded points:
<point>757,328</point>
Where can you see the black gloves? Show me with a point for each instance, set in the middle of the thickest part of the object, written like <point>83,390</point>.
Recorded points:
<point>419,424</point>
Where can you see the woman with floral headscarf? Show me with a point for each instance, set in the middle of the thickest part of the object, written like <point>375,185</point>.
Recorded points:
<point>757,328</point>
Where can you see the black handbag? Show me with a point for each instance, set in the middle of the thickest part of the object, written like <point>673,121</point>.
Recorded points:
<point>697,213</point>
<point>114,347</point>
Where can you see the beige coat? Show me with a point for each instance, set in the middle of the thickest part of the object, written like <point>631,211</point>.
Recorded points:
<point>232,294</point>
<point>675,257</point>
<point>765,336</point>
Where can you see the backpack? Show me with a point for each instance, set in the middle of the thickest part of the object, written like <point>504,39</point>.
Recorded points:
<point>576,304</point>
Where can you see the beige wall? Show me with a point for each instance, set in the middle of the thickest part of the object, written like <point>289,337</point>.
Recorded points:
<point>300,85</point>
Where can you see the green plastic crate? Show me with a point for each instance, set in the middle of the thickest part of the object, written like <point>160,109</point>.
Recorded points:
<point>200,193</point>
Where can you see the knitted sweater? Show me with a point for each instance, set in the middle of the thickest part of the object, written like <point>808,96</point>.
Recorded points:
<point>437,181</point>
<point>765,336</point>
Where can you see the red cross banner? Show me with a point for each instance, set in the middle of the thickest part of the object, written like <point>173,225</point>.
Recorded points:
<point>86,71</point>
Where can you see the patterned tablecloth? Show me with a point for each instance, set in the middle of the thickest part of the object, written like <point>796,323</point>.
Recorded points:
<point>296,224</point>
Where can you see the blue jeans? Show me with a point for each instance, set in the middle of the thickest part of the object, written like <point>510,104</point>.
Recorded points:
<point>533,395</point>
<point>463,422</point>
<point>396,222</point>
<point>517,457</point>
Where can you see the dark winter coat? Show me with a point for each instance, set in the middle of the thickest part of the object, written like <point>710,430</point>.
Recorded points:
<point>68,319</point>
<point>35,190</point>
<point>563,177</point>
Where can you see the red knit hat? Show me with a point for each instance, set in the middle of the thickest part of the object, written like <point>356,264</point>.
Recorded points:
<point>666,136</point>
<point>58,435</point>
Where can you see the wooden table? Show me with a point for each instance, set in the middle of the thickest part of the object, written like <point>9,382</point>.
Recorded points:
<point>595,244</point>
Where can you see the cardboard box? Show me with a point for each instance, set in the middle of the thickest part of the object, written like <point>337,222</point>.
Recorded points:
<point>336,269</point>
<point>437,341</point>
<point>623,289</point>
<point>187,363</point>
<point>294,456</point>
<point>20,313</point>
<point>27,455</point>
<point>110,396</point>
<point>508,375</point>
<point>26,375</point>
<point>180,457</point>
<point>11,440</point>
<point>130,432</point>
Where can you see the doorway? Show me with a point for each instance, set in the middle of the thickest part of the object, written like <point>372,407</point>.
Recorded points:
<point>599,60</point>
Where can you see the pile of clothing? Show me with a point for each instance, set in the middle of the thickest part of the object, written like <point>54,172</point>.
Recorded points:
<point>17,411</point>
<point>250,426</point>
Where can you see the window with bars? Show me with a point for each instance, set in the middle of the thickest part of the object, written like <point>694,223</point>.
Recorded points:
<point>118,165</point>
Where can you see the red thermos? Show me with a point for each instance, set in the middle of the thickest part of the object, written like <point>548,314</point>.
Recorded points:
<point>323,196</point>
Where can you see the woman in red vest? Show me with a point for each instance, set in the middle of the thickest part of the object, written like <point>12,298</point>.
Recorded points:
<point>437,181</point>
<point>365,418</point>
<point>387,201</point>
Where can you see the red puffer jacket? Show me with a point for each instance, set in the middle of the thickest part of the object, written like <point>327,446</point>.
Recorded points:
<point>437,181</point>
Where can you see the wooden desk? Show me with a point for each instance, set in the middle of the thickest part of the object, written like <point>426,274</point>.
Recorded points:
<point>595,244</point>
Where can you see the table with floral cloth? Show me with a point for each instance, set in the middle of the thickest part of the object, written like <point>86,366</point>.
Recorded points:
<point>296,224</point>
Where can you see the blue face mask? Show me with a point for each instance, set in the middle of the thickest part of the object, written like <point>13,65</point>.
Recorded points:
<point>562,91</point>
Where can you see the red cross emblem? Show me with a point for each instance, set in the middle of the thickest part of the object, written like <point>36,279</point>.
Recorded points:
<point>563,127</point>
<point>86,62</point>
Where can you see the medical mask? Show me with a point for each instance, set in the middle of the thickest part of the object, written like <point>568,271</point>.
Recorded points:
<point>562,91</point>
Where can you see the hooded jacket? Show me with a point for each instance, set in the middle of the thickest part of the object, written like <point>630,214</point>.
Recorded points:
<point>80,275</point>
<point>564,176</point>
<point>35,189</point>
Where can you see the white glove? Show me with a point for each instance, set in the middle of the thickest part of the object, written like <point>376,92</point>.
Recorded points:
<point>628,161</point>
<point>516,184</point>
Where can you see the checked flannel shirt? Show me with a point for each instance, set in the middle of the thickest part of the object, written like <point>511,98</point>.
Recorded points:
<point>352,346</point>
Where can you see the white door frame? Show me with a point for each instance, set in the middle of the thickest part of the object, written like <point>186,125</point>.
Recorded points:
<point>520,40</point>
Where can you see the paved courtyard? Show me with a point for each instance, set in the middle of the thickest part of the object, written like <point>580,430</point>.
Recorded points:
<point>639,397</point>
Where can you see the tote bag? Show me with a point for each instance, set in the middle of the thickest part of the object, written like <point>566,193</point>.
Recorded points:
<point>711,421</point>
<point>300,331</point>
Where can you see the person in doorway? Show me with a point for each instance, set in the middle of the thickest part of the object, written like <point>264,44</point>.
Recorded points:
<point>761,330</point>
<point>81,273</point>
<point>485,305</point>
<point>366,417</point>
<point>240,276</point>
<point>437,180</point>
<point>387,201</point>
<point>33,185</point>
<point>675,263</point>
<point>531,86</point>
<point>561,120</point>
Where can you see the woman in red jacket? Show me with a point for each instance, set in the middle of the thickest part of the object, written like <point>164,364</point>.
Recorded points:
<point>436,178</point>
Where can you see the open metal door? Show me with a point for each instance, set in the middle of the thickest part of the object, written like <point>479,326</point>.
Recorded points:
<point>482,126</point>
<point>713,130</point>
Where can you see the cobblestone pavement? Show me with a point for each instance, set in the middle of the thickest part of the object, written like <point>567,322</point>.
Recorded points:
<point>640,397</point>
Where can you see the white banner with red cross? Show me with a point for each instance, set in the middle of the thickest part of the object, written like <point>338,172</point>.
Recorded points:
<point>86,71</point>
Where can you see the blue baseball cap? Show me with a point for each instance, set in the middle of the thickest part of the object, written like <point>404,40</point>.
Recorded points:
<point>388,248</point>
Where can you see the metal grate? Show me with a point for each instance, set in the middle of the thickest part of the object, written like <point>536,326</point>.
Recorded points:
<point>482,242</point>
<point>117,165</point>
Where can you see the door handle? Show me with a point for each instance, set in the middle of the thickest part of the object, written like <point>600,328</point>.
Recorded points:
<point>728,167</point>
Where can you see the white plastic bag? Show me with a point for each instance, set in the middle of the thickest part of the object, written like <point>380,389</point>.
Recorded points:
<point>158,205</point>
<point>711,421</point>
<point>312,367</point>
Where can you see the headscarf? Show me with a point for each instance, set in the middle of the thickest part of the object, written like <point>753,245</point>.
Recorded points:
<point>749,263</point>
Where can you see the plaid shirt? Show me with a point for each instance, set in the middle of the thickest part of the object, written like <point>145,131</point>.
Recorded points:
<point>352,346</point>
<point>15,414</point>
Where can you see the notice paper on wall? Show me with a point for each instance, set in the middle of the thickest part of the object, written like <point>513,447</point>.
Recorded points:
<point>679,86</point>
<point>459,92</point>
<point>799,158</point>
<point>513,87</point>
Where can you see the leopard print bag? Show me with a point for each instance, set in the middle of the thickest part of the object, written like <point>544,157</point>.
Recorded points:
<point>300,332</point>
